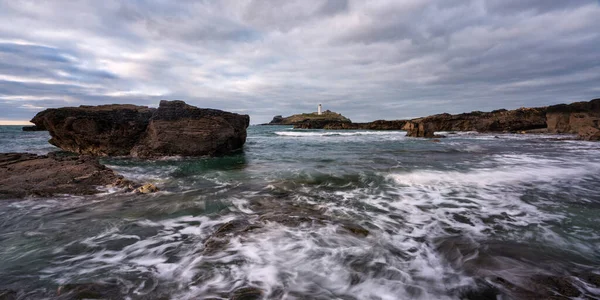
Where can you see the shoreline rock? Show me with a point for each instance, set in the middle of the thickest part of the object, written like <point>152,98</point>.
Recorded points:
<point>174,128</point>
<point>25,174</point>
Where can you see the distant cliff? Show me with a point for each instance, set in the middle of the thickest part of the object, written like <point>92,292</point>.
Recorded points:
<point>582,118</point>
<point>310,120</point>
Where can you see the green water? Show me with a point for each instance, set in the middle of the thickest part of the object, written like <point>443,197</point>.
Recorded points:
<point>310,214</point>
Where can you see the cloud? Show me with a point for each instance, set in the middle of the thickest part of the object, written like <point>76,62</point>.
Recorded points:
<point>366,59</point>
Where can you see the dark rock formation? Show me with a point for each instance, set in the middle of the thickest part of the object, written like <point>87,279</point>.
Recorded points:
<point>582,118</point>
<point>96,130</point>
<point>277,120</point>
<point>23,174</point>
<point>175,128</point>
<point>34,128</point>
<point>180,129</point>
<point>496,121</point>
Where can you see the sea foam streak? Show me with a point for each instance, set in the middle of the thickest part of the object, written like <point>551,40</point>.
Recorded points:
<point>337,133</point>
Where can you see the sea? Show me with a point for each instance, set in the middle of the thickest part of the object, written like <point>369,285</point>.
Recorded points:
<point>316,214</point>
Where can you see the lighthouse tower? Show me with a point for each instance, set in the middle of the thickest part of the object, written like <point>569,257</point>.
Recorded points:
<point>319,109</point>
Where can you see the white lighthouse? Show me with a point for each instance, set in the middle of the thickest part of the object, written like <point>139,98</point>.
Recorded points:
<point>319,109</point>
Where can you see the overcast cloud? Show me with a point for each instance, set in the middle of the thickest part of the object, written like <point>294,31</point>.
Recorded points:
<point>365,59</point>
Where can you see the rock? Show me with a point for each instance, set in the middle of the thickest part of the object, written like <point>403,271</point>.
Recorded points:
<point>589,133</point>
<point>33,128</point>
<point>277,120</point>
<point>8,295</point>
<point>356,229</point>
<point>147,189</point>
<point>582,118</point>
<point>496,121</point>
<point>23,174</point>
<point>247,293</point>
<point>93,290</point>
<point>175,128</point>
<point>95,130</point>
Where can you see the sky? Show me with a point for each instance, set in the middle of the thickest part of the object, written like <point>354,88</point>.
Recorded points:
<point>369,60</point>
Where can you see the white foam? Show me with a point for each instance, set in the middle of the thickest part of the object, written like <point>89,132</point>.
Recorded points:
<point>339,133</point>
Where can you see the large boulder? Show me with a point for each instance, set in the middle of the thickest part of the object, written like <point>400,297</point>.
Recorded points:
<point>180,129</point>
<point>175,128</point>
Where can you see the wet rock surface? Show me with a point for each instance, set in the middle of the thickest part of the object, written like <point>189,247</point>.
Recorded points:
<point>180,129</point>
<point>496,121</point>
<point>175,128</point>
<point>24,174</point>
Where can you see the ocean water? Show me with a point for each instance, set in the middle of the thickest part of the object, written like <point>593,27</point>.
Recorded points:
<point>313,214</point>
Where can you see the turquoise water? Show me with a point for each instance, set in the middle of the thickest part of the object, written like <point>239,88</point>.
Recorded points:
<point>311,214</point>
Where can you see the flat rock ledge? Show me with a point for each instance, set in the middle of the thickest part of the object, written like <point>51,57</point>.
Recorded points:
<point>174,128</point>
<point>25,174</point>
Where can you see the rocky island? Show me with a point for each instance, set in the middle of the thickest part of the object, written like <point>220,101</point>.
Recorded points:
<point>313,120</point>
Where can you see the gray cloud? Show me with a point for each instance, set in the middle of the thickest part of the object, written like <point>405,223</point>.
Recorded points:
<point>366,59</point>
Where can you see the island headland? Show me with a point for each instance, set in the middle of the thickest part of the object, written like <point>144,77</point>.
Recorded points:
<point>581,118</point>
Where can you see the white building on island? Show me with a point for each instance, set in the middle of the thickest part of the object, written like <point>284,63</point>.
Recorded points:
<point>319,109</point>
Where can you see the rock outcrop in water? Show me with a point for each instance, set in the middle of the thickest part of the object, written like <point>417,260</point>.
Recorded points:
<point>582,118</point>
<point>496,121</point>
<point>24,174</point>
<point>174,128</point>
<point>311,121</point>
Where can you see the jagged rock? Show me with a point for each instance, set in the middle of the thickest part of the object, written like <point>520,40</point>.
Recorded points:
<point>582,118</point>
<point>180,129</point>
<point>103,130</point>
<point>147,189</point>
<point>175,128</point>
<point>23,174</point>
<point>496,121</point>
<point>277,120</point>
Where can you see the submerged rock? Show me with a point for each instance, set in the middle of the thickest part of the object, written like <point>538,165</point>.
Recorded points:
<point>147,189</point>
<point>175,128</point>
<point>93,290</point>
<point>247,293</point>
<point>24,174</point>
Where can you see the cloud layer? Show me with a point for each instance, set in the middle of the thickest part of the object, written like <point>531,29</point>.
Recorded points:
<point>368,60</point>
